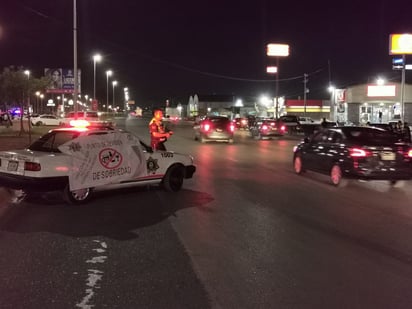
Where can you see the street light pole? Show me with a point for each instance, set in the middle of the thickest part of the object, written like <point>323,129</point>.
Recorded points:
<point>277,50</point>
<point>305,91</point>
<point>108,73</point>
<point>76,77</point>
<point>27,72</point>
<point>114,83</point>
<point>96,58</point>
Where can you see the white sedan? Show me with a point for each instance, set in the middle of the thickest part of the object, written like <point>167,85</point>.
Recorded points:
<point>81,160</point>
<point>45,120</point>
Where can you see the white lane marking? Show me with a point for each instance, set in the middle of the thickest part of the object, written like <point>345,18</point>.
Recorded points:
<point>94,276</point>
<point>97,259</point>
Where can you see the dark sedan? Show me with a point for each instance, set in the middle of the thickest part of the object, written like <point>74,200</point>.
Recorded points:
<point>214,128</point>
<point>267,128</point>
<point>354,152</point>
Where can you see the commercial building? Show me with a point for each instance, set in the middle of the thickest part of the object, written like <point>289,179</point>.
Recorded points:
<point>371,102</point>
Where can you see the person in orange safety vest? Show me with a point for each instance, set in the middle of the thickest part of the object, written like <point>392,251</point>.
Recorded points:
<point>158,134</point>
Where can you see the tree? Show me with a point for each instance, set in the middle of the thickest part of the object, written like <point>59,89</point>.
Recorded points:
<point>16,87</point>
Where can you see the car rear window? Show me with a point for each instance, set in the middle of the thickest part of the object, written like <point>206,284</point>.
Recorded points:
<point>367,136</point>
<point>91,115</point>
<point>289,118</point>
<point>219,120</point>
<point>51,141</point>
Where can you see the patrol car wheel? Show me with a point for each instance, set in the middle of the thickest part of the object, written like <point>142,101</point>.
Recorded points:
<point>173,180</point>
<point>76,197</point>
<point>39,123</point>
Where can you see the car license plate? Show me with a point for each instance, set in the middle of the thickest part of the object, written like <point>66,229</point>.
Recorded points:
<point>12,166</point>
<point>219,130</point>
<point>387,156</point>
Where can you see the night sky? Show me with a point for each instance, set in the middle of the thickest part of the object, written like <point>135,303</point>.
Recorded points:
<point>173,49</point>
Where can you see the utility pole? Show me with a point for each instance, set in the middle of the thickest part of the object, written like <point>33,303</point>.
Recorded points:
<point>305,91</point>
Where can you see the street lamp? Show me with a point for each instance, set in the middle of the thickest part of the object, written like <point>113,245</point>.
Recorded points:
<point>108,73</point>
<point>27,72</point>
<point>37,101</point>
<point>114,83</point>
<point>126,98</point>
<point>96,58</point>
<point>41,100</point>
<point>86,96</point>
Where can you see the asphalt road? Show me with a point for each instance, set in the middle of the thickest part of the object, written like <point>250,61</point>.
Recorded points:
<point>245,232</point>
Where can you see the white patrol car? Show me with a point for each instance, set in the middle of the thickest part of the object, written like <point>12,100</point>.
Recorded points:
<point>79,160</point>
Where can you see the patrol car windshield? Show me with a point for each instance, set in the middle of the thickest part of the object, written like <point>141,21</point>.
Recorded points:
<point>51,141</point>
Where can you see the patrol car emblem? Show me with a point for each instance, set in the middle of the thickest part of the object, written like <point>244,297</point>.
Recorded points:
<point>152,165</point>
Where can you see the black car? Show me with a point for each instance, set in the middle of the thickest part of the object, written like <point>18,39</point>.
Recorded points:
<point>214,128</point>
<point>365,153</point>
<point>267,128</point>
<point>403,133</point>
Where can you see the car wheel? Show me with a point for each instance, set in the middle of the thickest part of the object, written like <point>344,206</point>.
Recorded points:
<point>173,180</point>
<point>298,165</point>
<point>77,197</point>
<point>39,123</point>
<point>336,176</point>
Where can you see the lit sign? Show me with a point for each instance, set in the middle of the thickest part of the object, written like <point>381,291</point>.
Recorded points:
<point>381,91</point>
<point>271,70</point>
<point>400,44</point>
<point>277,50</point>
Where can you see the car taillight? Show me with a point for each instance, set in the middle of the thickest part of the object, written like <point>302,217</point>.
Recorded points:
<point>231,128</point>
<point>79,123</point>
<point>358,153</point>
<point>410,153</point>
<point>206,127</point>
<point>283,128</point>
<point>32,166</point>
<point>264,127</point>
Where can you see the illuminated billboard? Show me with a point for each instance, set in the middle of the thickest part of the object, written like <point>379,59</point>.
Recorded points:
<point>381,91</point>
<point>61,80</point>
<point>277,50</point>
<point>400,44</point>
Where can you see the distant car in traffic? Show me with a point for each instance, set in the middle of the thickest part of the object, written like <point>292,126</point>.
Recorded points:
<point>214,128</point>
<point>365,153</point>
<point>291,122</point>
<point>45,120</point>
<point>89,116</point>
<point>306,120</point>
<point>80,160</point>
<point>267,128</point>
<point>241,123</point>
